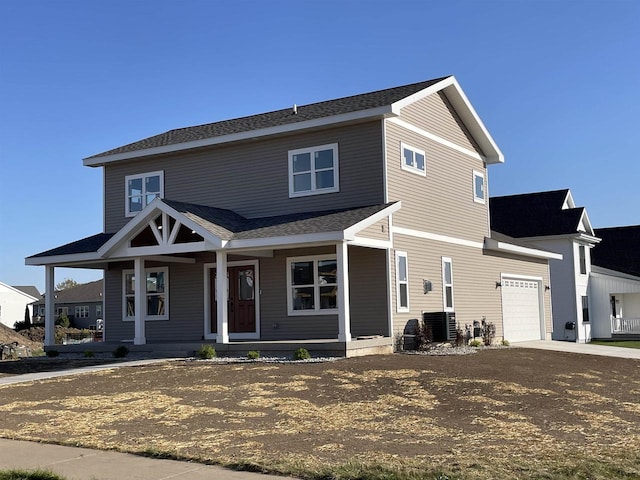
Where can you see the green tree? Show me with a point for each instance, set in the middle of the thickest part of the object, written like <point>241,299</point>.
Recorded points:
<point>27,317</point>
<point>66,283</point>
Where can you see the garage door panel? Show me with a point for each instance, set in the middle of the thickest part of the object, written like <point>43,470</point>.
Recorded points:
<point>521,310</point>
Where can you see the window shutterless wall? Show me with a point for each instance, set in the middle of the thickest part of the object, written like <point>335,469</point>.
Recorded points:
<point>252,178</point>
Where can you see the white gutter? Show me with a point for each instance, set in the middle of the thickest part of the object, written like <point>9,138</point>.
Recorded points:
<point>492,244</point>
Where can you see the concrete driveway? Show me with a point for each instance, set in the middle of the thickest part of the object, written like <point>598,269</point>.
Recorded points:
<point>584,348</point>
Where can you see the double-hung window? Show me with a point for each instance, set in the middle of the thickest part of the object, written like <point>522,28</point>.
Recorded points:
<point>447,284</point>
<point>157,294</point>
<point>402,282</point>
<point>413,159</point>
<point>82,311</point>
<point>312,284</point>
<point>141,190</point>
<point>313,170</point>
<point>478,187</point>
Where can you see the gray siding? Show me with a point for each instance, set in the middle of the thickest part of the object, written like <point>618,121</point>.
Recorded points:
<point>436,115</point>
<point>475,273</point>
<point>442,202</point>
<point>368,291</point>
<point>251,177</point>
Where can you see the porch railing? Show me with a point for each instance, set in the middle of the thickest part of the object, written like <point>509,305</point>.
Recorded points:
<point>625,325</point>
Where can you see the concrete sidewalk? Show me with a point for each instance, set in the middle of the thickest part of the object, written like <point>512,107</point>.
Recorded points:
<point>583,348</point>
<point>84,464</point>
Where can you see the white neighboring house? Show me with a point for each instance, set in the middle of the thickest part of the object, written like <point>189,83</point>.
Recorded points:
<point>614,284</point>
<point>13,301</point>
<point>551,221</point>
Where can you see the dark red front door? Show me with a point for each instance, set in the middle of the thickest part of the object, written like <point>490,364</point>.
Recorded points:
<point>242,302</point>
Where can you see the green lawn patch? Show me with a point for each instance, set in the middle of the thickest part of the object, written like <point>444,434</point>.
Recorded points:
<point>618,343</point>
<point>29,475</point>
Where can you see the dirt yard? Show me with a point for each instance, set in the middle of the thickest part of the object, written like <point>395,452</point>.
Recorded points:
<point>505,413</point>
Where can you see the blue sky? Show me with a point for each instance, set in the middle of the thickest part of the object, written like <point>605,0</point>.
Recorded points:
<point>557,83</point>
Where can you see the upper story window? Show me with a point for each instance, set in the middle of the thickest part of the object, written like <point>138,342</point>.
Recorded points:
<point>141,190</point>
<point>413,159</point>
<point>478,187</point>
<point>582,251</point>
<point>313,170</point>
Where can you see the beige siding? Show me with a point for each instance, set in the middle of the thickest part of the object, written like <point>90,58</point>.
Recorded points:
<point>442,201</point>
<point>475,273</point>
<point>251,177</point>
<point>436,115</point>
<point>377,231</point>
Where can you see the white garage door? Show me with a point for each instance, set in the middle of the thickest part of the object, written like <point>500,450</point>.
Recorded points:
<point>521,310</point>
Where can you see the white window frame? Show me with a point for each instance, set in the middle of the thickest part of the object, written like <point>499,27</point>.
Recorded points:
<point>476,197</point>
<point>316,286</point>
<point>312,171</point>
<point>446,307</point>
<point>98,311</point>
<point>412,168</point>
<point>399,307</point>
<point>143,177</point>
<point>146,317</point>
<point>81,311</point>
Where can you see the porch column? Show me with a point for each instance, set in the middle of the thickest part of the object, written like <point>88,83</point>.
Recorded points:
<point>344,310</point>
<point>49,303</point>
<point>140,289</point>
<point>222,295</point>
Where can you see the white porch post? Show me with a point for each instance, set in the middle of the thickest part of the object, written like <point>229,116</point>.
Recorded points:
<point>222,295</point>
<point>140,286</point>
<point>49,303</point>
<point>344,310</point>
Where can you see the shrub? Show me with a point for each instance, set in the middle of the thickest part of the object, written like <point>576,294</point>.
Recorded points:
<point>301,354</point>
<point>505,343</point>
<point>253,355</point>
<point>459,340</point>
<point>488,332</point>
<point>63,321</point>
<point>52,353</point>
<point>120,352</point>
<point>19,326</point>
<point>206,352</point>
<point>89,354</point>
<point>475,343</point>
<point>424,335</point>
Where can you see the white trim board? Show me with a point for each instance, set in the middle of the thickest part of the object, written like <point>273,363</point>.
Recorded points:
<point>437,237</point>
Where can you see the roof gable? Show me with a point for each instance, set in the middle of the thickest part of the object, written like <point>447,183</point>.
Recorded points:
<point>538,214</point>
<point>379,104</point>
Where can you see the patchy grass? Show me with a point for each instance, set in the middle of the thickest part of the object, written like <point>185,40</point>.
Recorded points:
<point>504,413</point>
<point>29,475</point>
<point>618,343</point>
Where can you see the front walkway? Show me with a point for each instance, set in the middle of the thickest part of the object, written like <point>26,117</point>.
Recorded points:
<point>82,463</point>
<point>584,348</point>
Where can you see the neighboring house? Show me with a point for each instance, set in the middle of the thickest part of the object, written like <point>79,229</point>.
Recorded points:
<point>551,220</point>
<point>337,224</point>
<point>13,301</point>
<point>82,304</point>
<point>614,286</point>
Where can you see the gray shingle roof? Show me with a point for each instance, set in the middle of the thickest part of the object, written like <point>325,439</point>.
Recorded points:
<point>84,245</point>
<point>84,292</point>
<point>28,289</point>
<point>534,214</point>
<point>276,118</point>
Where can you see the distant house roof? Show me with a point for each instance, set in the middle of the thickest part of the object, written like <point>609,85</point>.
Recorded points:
<point>29,290</point>
<point>276,118</point>
<point>84,292</point>
<point>535,214</point>
<point>619,249</point>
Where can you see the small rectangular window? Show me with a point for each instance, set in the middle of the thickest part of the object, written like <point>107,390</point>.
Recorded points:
<point>313,170</point>
<point>312,284</point>
<point>585,309</point>
<point>413,159</point>
<point>141,190</point>
<point>478,187</point>
<point>98,311</point>
<point>402,282</point>
<point>447,284</point>
<point>582,250</point>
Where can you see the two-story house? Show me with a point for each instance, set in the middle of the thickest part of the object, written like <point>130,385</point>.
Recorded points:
<point>333,225</point>
<point>82,304</point>
<point>552,221</point>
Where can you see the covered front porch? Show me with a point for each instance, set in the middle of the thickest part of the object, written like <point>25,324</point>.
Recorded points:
<point>178,276</point>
